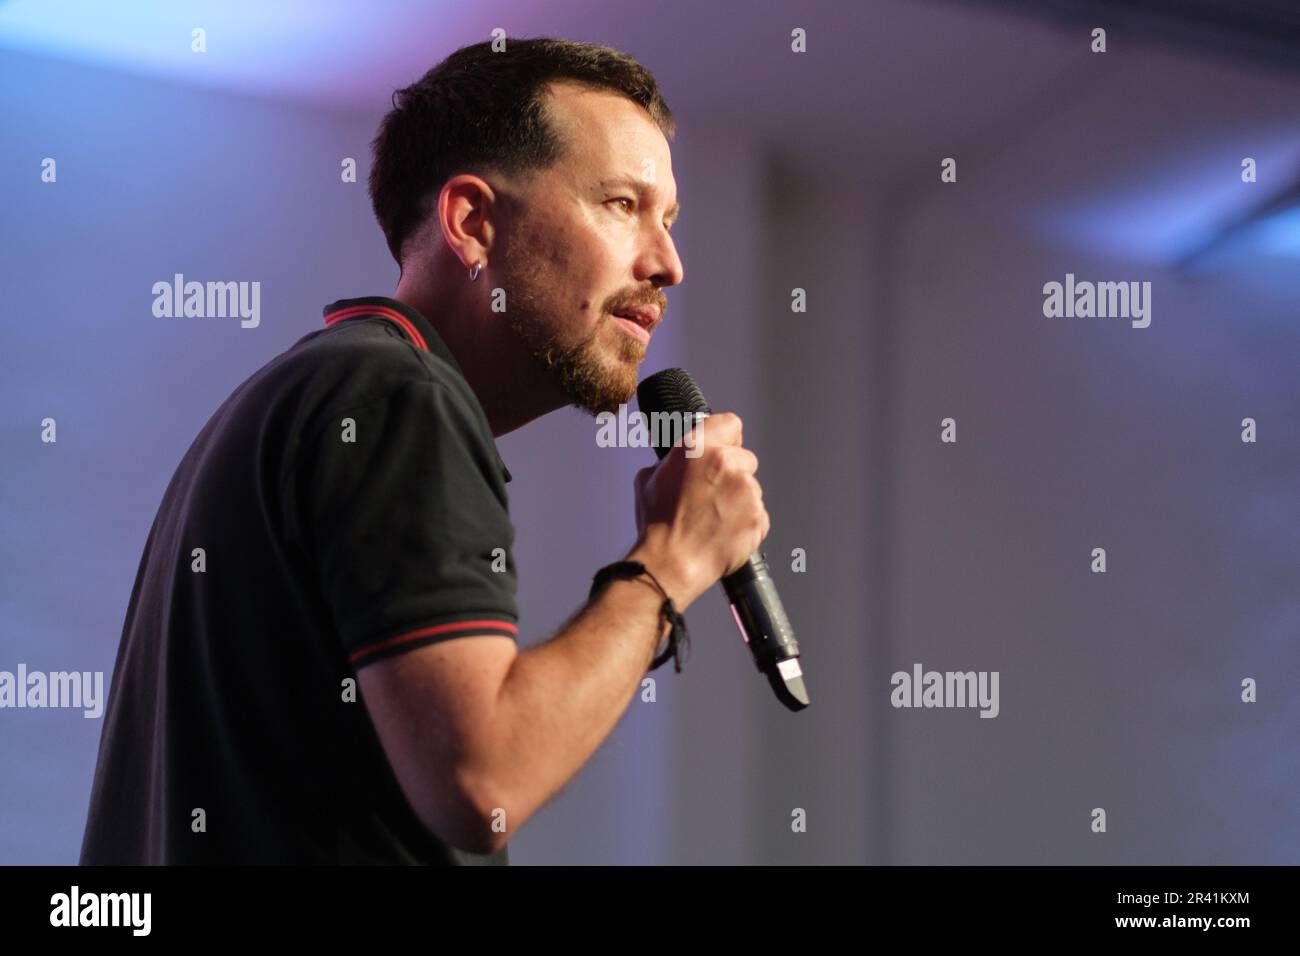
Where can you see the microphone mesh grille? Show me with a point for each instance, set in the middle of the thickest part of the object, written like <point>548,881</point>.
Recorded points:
<point>672,390</point>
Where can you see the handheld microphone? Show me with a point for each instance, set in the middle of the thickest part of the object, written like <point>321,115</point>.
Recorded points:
<point>755,606</point>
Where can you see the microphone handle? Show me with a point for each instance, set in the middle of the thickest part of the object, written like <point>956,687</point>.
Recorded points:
<point>763,624</point>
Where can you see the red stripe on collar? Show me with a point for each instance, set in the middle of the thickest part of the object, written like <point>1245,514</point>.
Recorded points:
<point>384,313</point>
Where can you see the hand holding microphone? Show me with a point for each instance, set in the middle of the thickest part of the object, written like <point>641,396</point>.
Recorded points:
<point>705,514</point>
<point>702,518</point>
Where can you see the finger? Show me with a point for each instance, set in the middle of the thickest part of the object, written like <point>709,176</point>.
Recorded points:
<point>741,459</point>
<point>722,428</point>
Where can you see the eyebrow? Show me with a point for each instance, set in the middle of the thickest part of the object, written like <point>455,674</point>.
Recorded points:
<point>643,189</point>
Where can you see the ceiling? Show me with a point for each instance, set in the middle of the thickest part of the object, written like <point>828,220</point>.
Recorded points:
<point>885,89</point>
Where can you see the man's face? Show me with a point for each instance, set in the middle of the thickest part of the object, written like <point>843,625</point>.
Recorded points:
<point>591,241</point>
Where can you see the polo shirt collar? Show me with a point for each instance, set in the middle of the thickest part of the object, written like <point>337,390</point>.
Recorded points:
<point>418,330</point>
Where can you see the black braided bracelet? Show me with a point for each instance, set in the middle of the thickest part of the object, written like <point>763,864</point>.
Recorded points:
<point>678,638</point>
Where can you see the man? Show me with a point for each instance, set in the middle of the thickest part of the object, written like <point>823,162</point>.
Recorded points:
<point>319,662</point>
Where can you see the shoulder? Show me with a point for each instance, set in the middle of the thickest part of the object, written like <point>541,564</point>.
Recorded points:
<point>369,364</point>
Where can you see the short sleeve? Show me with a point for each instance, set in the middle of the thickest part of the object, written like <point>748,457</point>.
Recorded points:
<point>401,507</point>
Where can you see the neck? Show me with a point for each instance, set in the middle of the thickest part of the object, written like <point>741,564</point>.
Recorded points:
<point>512,388</point>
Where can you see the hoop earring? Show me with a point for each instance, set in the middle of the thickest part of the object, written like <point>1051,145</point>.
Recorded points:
<point>473,272</point>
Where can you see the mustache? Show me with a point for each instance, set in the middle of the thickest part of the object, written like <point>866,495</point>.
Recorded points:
<point>654,297</point>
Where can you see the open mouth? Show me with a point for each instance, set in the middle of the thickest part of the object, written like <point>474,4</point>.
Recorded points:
<point>633,328</point>
<point>638,320</point>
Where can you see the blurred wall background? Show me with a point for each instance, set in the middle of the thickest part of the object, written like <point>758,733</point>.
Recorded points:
<point>819,171</point>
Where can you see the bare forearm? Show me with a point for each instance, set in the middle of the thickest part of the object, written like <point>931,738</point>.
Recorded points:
<point>561,699</point>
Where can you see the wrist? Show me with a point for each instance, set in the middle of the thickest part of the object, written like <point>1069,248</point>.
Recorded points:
<point>673,575</point>
<point>634,568</point>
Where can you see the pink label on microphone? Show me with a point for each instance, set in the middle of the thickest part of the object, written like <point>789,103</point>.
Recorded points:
<point>741,627</point>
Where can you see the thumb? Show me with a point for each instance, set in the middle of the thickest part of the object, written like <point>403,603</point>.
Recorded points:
<point>639,485</point>
<point>642,477</point>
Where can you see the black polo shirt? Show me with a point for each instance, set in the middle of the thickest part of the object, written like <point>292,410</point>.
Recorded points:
<point>350,505</point>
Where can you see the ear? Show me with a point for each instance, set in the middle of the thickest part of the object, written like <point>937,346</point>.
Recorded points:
<point>466,206</point>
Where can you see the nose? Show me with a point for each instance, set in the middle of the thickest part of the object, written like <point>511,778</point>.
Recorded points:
<point>659,262</point>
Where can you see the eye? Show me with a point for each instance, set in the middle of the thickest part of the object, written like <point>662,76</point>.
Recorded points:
<point>631,203</point>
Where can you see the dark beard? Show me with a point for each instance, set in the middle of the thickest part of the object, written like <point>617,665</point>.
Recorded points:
<point>581,369</point>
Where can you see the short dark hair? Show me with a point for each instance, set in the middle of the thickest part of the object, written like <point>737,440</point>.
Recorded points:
<point>482,110</point>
